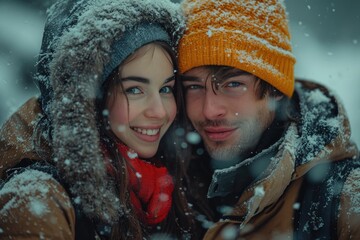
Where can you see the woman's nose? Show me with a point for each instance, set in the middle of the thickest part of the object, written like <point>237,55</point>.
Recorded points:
<point>155,107</point>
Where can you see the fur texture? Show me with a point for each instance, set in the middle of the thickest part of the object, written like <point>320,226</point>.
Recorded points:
<point>76,69</point>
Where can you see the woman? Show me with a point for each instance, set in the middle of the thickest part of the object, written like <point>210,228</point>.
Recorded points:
<point>97,156</point>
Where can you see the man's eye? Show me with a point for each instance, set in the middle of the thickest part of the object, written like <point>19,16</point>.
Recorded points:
<point>233,84</point>
<point>233,88</point>
<point>133,91</point>
<point>167,89</point>
<point>193,87</point>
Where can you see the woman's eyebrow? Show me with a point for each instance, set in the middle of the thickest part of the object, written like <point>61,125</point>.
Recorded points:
<point>169,79</point>
<point>145,80</point>
<point>136,79</point>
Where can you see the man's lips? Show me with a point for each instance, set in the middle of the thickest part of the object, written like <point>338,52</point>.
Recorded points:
<point>218,133</point>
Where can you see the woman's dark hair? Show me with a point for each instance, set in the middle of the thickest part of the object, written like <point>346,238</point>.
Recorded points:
<point>179,221</point>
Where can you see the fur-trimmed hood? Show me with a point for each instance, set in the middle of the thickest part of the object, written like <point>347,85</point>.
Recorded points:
<point>76,47</point>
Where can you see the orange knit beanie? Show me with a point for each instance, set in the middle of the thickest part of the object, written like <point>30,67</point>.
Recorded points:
<point>251,35</point>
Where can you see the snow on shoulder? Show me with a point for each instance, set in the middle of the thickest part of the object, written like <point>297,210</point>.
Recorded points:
<point>30,191</point>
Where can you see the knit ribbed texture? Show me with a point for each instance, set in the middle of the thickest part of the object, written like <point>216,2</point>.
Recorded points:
<point>132,40</point>
<point>251,35</point>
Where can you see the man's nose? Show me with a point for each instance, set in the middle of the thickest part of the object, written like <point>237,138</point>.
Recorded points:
<point>213,105</point>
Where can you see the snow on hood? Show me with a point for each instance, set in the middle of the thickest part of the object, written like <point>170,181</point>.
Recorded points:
<point>72,79</point>
<point>324,126</point>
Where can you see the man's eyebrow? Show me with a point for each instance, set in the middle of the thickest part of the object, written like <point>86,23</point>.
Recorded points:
<point>145,80</point>
<point>229,74</point>
<point>235,73</point>
<point>190,78</point>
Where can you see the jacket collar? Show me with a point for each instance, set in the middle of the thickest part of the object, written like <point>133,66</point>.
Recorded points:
<point>321,135</point>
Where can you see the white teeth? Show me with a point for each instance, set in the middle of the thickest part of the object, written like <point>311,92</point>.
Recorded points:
<point>150,132</point>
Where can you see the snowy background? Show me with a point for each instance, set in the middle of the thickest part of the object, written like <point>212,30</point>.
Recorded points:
<point>326,43</point>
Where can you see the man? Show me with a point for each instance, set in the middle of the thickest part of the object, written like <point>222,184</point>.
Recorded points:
<point>275,160</point>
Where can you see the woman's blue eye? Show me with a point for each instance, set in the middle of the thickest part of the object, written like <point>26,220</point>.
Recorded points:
<point>166,89</point>
<point>133,90</point>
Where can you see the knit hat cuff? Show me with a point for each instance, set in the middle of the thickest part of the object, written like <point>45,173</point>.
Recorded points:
<point>131,40</point>
<point>235,50</point>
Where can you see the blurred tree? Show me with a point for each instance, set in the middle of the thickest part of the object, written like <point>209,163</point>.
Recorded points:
<point>334,21</point>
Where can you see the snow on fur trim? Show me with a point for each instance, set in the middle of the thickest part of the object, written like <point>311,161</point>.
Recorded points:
<point>75,76</point>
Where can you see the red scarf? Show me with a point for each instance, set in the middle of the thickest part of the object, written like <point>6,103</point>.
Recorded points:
<point>150,188</point>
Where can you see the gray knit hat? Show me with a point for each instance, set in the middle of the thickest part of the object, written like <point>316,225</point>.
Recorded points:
<point>131,40</point>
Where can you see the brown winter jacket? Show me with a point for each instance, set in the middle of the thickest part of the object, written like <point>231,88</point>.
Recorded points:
<point>77,45</point>
<point>42,202</point>
<point>267,207</point>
